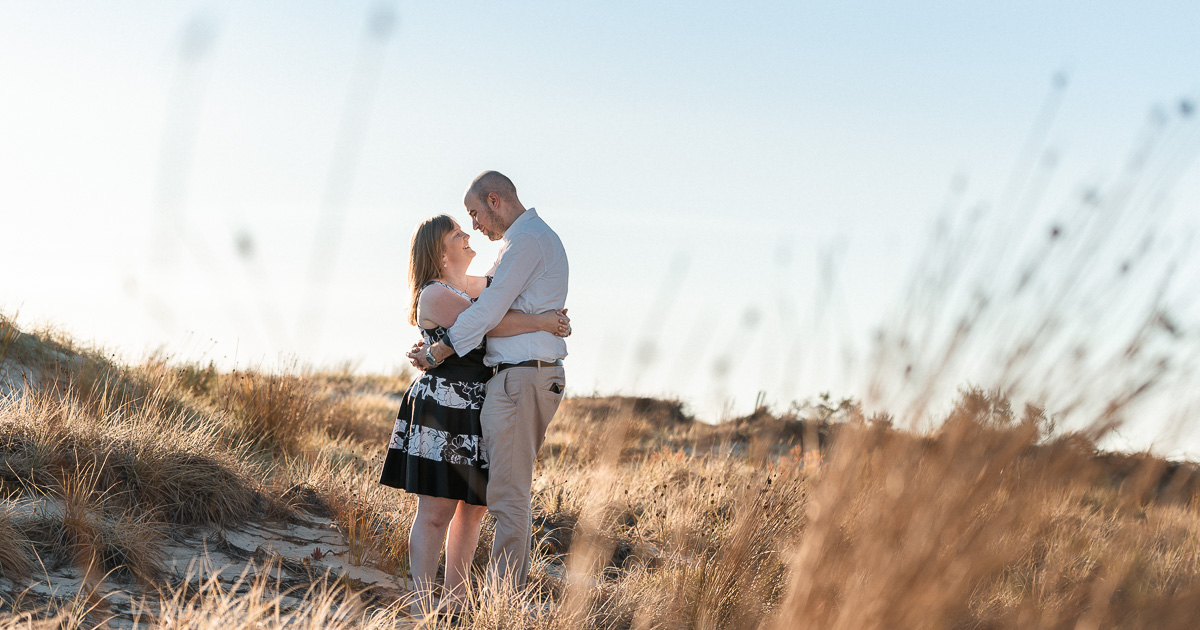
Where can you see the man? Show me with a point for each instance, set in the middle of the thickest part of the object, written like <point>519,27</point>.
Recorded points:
<point>530,275</point>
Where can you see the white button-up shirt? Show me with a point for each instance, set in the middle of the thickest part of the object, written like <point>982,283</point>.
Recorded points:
<point>530,275</point>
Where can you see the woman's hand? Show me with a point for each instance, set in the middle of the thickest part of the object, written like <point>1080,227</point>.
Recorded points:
<point>416,354</point>
<point>555,322</point>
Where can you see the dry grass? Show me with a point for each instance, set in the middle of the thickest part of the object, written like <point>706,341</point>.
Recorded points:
<point>644,518</point>
<point>16,554</point>
<point>148,465</point>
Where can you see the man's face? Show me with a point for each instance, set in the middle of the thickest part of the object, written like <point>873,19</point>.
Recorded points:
<point>484,219</point>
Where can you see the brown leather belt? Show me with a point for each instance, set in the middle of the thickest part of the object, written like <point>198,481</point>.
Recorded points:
<point>530,363</point>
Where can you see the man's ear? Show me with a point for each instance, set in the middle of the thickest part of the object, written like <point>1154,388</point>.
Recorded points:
<point>494,200</point>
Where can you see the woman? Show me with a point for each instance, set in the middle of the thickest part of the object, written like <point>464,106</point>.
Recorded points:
<point>437,449</point>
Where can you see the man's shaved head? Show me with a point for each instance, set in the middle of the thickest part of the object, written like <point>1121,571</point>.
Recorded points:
<point>493,182</point>
<point>492,203</point>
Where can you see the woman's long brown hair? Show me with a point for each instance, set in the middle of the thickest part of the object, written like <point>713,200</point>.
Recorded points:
<point>425,256</point>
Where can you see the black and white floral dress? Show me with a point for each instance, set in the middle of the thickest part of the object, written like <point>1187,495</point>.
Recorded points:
<point>437,443</point>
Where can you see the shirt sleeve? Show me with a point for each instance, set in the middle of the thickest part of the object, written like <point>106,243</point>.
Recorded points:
<point>513,274</point>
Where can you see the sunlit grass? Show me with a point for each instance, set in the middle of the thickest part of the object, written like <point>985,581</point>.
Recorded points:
<point>644,518</point>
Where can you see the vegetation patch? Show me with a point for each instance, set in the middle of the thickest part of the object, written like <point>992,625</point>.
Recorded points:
<point>182,495</point>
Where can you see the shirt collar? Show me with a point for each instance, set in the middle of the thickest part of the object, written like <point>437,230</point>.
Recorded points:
<point>520,221</point>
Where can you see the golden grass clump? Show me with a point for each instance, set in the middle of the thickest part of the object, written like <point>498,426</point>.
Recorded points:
<point>153,465</point>
<point>16,552</point>
<point>253,601</point>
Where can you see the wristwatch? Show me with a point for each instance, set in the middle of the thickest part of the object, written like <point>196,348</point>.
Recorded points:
<point>429,357</point>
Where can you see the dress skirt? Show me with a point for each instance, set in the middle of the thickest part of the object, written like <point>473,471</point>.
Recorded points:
<point>437,443</point>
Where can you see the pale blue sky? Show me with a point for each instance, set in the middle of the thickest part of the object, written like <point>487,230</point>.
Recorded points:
<point>740,142</point>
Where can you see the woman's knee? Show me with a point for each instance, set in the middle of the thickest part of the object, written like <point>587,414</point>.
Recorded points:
<point>435,512</point>
<point>469,512</point>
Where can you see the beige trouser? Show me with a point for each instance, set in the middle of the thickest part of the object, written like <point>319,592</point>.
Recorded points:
<point>516,412</point>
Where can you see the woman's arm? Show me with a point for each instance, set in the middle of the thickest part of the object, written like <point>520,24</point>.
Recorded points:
<point>439,306</point>
<point>518,323</point>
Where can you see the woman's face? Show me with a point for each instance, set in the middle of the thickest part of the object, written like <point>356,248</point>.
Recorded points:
<point>457,248</point>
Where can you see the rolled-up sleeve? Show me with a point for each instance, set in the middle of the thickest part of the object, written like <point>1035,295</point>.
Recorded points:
<point>516,269</point>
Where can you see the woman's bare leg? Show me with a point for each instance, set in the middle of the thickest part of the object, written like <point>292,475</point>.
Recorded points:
<point>461,542</point>
<point>425,547</point>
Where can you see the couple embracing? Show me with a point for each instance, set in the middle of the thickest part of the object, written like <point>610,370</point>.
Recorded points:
<point>470,427</point>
